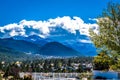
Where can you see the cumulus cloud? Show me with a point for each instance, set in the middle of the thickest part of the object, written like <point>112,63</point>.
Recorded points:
<point>43,28</point>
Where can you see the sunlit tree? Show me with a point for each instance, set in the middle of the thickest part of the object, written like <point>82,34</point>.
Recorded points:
<point>109,32</point>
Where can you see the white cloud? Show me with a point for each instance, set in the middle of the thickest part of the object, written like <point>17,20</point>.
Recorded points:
<point>43,28</point>
<point>85,41</point>
<point>93,19</point>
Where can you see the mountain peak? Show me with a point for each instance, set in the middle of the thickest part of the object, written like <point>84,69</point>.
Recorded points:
<point>58,49</point>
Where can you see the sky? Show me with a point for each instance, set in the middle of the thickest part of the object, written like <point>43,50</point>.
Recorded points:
<point>66,21</point>
<point>43,17</point>
<point>13,11</point>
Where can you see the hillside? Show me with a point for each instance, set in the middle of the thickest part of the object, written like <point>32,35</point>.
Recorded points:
<point>8,54</point>
<point>20,45</point>
<point>58,49</point>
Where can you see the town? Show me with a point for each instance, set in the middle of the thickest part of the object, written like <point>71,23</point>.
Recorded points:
<point>54,65</point>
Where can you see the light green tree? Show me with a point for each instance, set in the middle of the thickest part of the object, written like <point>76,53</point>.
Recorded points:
<point>109,32</point>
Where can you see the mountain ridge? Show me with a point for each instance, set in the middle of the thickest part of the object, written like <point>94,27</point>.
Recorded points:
<point>49,49</point>
<point>19,45</point>
<point>88,49</point>
<point>8,54</point>
<point>58,49</point>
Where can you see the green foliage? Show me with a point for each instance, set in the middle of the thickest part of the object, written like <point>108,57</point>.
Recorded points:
<point>87,75</point>
<point>109,28</point>
<point>80,69</point>
<point>12,70</point>
<point>102,61</point>
<point>108,36</point>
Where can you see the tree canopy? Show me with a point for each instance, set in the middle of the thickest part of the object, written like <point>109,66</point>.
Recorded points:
<point>108,37</point>
<point>109,28</point>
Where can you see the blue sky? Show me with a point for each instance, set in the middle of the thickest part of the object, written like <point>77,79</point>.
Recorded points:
<point>16,10</point>
<point>65,21</point>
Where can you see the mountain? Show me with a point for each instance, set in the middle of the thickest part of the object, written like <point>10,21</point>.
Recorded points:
<point>8,54</point>
<point>20,45</point>
<point>49,49</point>
<point>72,41</point>
<point>34,39</point>
<point>88,49</point>
<point>76,40</point>
<point>58,49</point>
